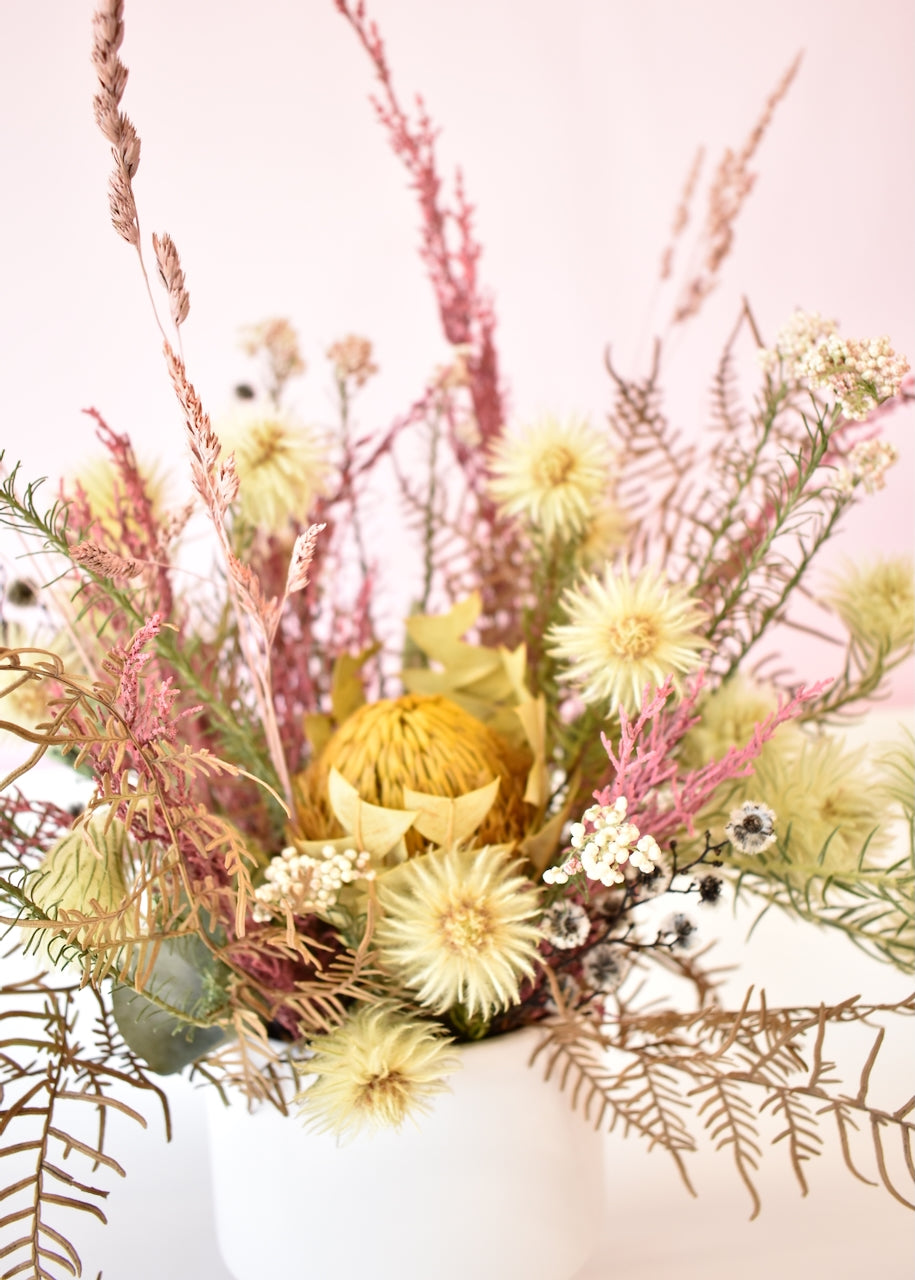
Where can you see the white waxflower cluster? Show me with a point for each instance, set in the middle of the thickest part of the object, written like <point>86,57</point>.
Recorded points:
<point>868,463</point>
<point>303,885</point>
<point>603,844</point>
<point>804,331</point>
<point>860,373</point>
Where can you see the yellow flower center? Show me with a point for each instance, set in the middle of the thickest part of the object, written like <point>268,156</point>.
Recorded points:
<point>268,444</point>
<point>633,637</point>
<point>553,467</point>
<point>466,927</point>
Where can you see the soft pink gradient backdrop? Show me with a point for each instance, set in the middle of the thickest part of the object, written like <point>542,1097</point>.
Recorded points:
<point>262,158</point>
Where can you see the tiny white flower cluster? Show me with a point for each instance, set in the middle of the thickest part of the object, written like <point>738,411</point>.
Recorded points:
<point>603,843</point>
<point>304,885</point>
<point>868,463</point>
<point>861,373</point>
<point>804,331</point>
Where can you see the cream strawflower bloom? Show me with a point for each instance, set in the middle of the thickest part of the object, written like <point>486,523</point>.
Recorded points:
<point>374,1071</point>
<point>553,474</point>
<point>282,466</point>
<point>457,928</point>
<point>625,633</point>
<point>876,601</point>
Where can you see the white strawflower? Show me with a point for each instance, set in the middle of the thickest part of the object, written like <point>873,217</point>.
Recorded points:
<point>751,827</point>
<point>566,925</point>
<point>376,1070</point>
<point>457,928</point>
<point>553,474</point>
<point>624,634</point>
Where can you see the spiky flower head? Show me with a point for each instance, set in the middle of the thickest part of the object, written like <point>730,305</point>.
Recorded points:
<point>457,929</point>
<point>876,601</point>
<point>282,466</point>
<point>625,633</point>
<point>553,474</point>
<point>426,743</point>
<point>829,809</point>
<point>376,1070</point>
<point>728,716</point>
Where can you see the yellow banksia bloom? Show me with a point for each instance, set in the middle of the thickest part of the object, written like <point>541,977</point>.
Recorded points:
<point>376,1070</point>
<point>552,474</point>
<point>282,466</point>
<point>457,929</point>
<point>876,601</point>
<point>426,743</point>
<point>625,633</point>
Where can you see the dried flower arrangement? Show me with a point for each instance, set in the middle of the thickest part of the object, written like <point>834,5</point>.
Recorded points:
<point>316,828</point>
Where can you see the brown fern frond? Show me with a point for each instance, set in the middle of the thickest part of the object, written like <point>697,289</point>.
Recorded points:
<point>58,1091</point>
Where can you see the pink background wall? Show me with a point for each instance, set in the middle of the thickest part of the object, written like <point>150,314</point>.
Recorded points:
<point>262,158</point>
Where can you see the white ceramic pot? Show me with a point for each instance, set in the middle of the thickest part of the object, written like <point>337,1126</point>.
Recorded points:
<point>501,1181</point>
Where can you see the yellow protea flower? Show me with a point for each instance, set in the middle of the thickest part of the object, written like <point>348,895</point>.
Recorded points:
<point>282,466</point>
<point>828,810</point>
<point>876,601</point>
<point>456,929</point>
<point>624,633</point>
<point>426,744</point>
<point>376,1070</point>
<point>553,474</point>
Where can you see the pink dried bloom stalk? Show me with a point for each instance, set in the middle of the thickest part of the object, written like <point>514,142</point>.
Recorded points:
<point>108,33</point>
<point>732,183</point>
<point>217,483</point>
<point>681,214</point>
<point>172,277</point>
<point>645,766</point>
<point>467,315</point>
<point>140,532</point>
<point>146,707</point>
<point>107,564</point>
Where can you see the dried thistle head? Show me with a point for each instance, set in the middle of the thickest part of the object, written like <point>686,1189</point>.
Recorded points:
<point>376,1070</point>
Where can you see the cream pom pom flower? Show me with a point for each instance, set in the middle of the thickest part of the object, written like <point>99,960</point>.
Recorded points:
<point>375,1070</point>
<point>282,466</point>
<point>552,474</point>
<point>876,601</point>
<point>625,633</point>
<point>457,928</point>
